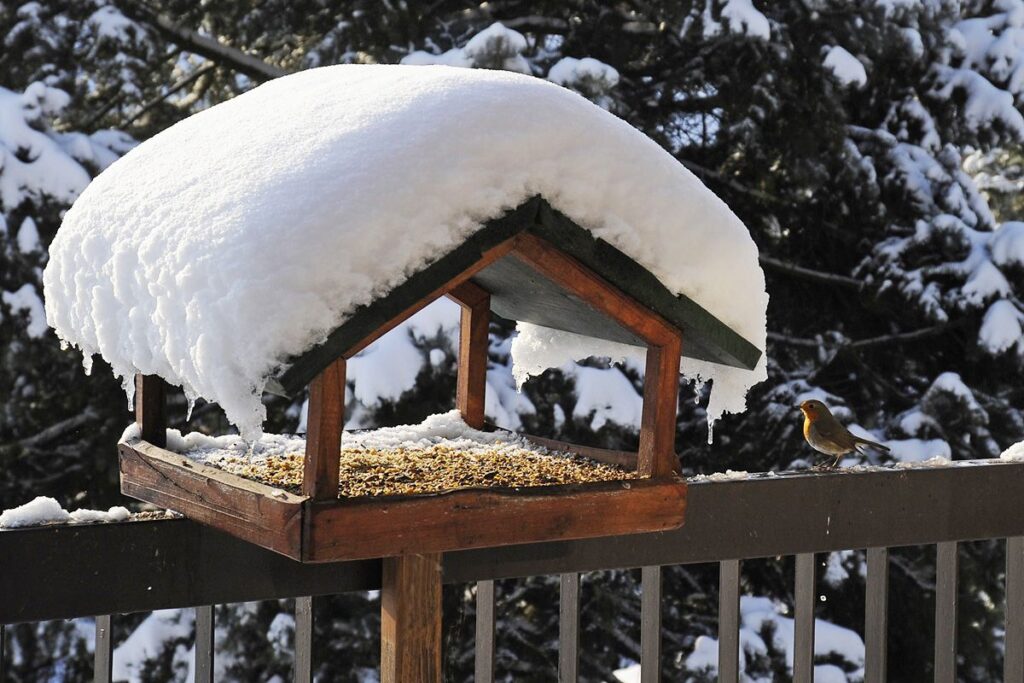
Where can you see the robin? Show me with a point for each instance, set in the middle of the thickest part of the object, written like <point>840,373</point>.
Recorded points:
<point>826,435</point>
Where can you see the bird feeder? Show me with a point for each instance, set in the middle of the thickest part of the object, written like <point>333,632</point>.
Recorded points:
<point>295,224</point>
<point>532,264</point>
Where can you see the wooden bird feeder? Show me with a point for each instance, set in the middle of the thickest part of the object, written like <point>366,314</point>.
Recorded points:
<point>532,264</point>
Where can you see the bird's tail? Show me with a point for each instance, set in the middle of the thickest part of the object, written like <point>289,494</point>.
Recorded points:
<point>871,444</point>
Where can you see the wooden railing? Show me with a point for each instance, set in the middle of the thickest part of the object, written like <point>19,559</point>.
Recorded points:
<point>177,563</point>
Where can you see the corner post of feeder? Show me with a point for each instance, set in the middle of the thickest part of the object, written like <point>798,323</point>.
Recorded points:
<point>410,624</point>
<point>325,419</point>
<point>151,409</point>
<point>657,453</point>
<point>474,327</point>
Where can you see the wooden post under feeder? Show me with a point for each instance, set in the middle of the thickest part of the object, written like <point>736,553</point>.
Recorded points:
<point>410,619</point>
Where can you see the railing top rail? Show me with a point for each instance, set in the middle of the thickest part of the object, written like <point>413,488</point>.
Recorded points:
<point>68,571</point>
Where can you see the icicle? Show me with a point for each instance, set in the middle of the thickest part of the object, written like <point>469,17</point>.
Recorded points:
<point>191,398</point>
<point>128,384</point>
<point>711,431</point>
<point>87,363</point>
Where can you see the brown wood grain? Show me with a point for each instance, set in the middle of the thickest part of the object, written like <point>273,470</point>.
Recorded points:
<point>478,518</point>
<point>474,339</point>
<point>657,454</point>
<point>325,420</point>
<point>251,511</point>
<point>410,623</point>
<point>469,294</point>
<point>593,289</point>
<point>487,258</point>
<point>608,456</point>
<point>151,408</point>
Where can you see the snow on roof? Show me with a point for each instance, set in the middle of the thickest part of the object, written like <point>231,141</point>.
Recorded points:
<point>243,235</point>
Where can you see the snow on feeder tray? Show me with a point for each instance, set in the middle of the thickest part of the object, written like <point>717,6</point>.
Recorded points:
<point>469,231</point>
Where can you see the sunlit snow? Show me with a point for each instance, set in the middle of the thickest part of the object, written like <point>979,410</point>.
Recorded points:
<point>328,195</point>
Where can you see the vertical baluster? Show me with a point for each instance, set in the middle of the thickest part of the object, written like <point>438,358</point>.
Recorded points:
<point>1013,656</point>
<point>803,655</point>
<point>946,568</point>
<point>650,624</point>
<point>568,628</point>
<point>876,616</point>
<point>729,621</point>
<point>484,646</point>
<point>303,670</point>
<point>103,660</point>
<point>204,644</point>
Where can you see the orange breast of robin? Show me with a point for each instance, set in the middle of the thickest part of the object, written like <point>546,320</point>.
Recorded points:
<point>807,428</point>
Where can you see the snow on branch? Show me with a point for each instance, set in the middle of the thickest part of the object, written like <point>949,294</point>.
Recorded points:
<point>537,24</point>
<point>729,182</point>
<point>810,274</point>
<point>173,88</point>
<point>55,431</point>
<point>208,47</point>
<point>882,340</point>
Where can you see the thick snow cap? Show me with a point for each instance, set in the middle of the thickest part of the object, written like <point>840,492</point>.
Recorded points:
<point>242,236</point>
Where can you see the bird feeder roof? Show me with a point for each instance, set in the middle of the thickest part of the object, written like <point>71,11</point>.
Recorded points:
<point>256,241</point>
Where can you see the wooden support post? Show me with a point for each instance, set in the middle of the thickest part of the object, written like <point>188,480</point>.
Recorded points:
<point>657,454</point>
<point>473,343</point>
<point>151,409</point>
<point>325,420</point>
<point>410,623</point>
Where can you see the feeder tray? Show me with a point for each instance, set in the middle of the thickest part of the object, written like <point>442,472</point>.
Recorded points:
<point>412,468</point>
<point>532,264</point>
<point>356,527</point>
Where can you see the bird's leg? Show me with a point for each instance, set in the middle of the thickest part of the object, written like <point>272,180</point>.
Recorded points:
<point>835,463</point>
<point>821,466</point>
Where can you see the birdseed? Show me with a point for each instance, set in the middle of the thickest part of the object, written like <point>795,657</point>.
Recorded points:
<point>430,469</point>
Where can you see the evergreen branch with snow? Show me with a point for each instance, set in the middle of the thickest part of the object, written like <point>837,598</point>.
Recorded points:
<point>208,47</point>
